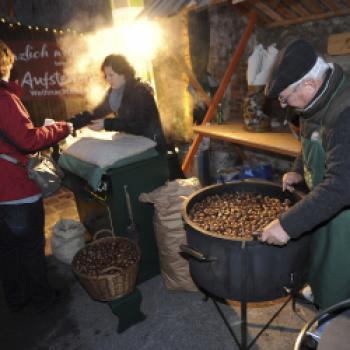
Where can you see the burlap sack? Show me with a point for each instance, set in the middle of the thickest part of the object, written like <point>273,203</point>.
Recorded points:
<point>169,231</point>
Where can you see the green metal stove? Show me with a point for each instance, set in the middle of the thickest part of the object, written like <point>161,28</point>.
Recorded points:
<point>106,208</point>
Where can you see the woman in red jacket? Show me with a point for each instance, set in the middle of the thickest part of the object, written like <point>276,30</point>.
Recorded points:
<point>22,257</point>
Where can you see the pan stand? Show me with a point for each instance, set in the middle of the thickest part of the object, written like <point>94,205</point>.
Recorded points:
<point>243,343</point>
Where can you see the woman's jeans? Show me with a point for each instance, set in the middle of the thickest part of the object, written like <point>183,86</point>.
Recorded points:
<point>22,254</point>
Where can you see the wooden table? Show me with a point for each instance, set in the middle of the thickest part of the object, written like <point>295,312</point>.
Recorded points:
<point>278,142</point>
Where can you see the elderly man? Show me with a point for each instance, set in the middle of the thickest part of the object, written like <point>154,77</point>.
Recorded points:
<point>320,92</point>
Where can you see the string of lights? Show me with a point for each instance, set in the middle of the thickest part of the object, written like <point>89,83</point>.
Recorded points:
<point>12,23</point>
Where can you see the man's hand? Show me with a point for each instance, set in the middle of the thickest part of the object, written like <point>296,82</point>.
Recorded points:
<point>290,179</point>
<point>273,233</point>
<point>96,125</point>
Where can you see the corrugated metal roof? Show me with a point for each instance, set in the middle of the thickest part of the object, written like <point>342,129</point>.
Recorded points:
<point>166,8</point>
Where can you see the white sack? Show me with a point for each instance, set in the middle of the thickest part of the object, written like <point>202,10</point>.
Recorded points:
<point>254,64</point>
<point>260,64</point>
<point>268,60</point>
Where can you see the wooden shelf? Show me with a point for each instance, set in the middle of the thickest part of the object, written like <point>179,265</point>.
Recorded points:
<point>277,142</point>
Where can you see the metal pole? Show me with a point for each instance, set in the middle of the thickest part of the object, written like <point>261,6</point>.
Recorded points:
<point>244,291</point>
<point>227,324</point>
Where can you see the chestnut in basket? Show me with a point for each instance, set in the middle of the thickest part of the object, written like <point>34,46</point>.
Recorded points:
<point>97,258</point>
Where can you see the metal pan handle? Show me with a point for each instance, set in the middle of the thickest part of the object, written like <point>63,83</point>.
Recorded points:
<point>189,252</point>
<point>257,235</point>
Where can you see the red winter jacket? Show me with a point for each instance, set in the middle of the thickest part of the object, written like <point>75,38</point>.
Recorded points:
<point>15,123</point>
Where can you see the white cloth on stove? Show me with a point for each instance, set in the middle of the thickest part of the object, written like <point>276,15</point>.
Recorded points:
<point>105,148</point>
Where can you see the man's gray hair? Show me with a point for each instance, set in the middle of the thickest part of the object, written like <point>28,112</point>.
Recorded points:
<point>317,72</point>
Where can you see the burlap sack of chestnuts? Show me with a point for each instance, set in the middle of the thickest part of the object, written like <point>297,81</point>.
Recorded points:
<point>68,237</point>
<point>170,232</point>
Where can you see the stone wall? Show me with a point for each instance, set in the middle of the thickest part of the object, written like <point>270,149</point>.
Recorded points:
<point>315,32</point>
<point>226,29</point>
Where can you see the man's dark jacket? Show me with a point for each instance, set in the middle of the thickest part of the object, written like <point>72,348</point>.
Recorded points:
<point>332,195</point>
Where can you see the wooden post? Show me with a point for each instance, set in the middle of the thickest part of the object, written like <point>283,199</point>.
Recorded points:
<point>193,80</point>
<point>221,89</point>
<point>10,11</point>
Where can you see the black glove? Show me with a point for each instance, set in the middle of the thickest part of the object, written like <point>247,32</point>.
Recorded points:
<point>80,120</point>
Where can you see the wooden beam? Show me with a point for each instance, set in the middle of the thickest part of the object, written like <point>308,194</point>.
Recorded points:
<point>193,80</point>
<point>244,9</point>
<point>297,8</point>
<point>10,10</point>
<point>331,5</point>
<point>221,89</point>
<point>309,18</point>
<point>282,10</point>
<point>312,6</point>
<point>268,11</point>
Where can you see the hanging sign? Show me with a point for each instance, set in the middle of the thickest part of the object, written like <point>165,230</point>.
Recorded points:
<point>39,70</point>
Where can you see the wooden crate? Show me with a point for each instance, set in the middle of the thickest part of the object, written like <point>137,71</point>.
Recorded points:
<point>339,44</point>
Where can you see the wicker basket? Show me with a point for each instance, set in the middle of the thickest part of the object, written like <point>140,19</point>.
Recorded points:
<point>113,282</point>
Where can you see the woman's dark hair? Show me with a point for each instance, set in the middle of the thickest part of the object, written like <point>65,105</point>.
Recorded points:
<point>119,65</point>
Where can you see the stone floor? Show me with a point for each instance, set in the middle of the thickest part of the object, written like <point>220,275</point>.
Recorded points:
<point>175,320</point>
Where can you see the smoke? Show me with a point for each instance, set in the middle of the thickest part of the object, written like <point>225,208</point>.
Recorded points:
<point>149,47</point>
<point>135,39</point>
<point>174,100</point>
